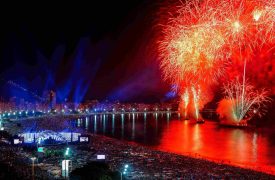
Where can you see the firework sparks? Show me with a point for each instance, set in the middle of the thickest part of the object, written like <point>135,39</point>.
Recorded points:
<point>196,97</point>
<point>185,99</point>
<point>205,34</point>
<point>243,101</point>
<point>204,37</point>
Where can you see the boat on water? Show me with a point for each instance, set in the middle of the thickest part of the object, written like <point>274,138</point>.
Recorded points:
<point>200,121</point>
<point>232,123</point>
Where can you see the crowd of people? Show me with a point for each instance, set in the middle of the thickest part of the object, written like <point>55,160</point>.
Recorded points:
<point>148,163</point>
<point>15,166</point>
<point>143,162</point>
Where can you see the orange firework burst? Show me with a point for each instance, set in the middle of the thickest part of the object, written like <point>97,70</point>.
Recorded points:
<point>204,37</point>
<point>205,34</point>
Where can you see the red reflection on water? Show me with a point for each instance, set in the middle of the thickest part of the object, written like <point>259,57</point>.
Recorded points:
<point>231,146</point>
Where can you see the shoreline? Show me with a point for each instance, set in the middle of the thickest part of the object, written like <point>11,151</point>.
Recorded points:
<point>79,115</point>
<point>266,170</point>
<point>165,160</point>
<point>119,152</point>
<point>144,162</point>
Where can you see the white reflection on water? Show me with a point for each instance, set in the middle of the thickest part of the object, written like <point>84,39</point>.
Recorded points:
<point>145,123</point>
<point>95,123</point>
<point>113,124</point>
<point>86,123</point>
<point>122,125</point>
<point>133,126</point>
<point>104,124</point>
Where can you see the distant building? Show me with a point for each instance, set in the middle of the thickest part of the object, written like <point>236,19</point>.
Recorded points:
<point>22,104</point>
<point>12,103</point>
<point>52,99</point>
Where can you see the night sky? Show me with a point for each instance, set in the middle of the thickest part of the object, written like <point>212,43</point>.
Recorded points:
<point>82,51</point>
